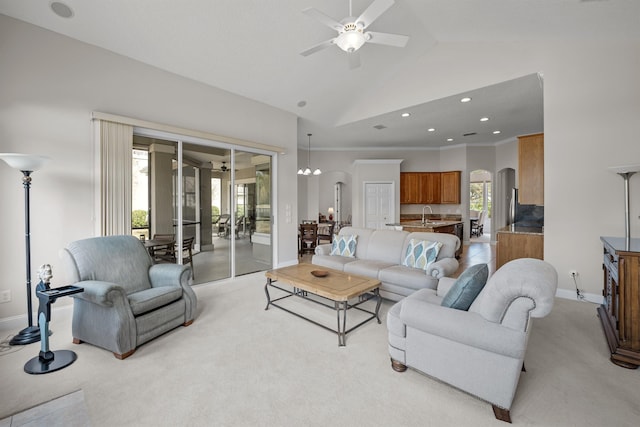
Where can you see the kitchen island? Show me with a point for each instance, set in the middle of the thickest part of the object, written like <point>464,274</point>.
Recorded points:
<point>432,225</point>
<point>516,241</point>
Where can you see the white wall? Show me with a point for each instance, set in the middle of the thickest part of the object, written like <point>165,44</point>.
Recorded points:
<point>591,110</point>
<point>50,85</point>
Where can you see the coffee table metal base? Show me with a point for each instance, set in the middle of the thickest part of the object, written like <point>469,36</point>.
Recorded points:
<point>340,307</point>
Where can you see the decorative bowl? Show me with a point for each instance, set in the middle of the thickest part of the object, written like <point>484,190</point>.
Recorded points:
<point>320,273</point>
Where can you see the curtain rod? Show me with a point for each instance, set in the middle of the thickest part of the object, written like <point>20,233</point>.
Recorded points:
<point>96,115</point>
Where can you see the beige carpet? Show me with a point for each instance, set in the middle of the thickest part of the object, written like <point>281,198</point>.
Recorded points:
<point>239,365</point>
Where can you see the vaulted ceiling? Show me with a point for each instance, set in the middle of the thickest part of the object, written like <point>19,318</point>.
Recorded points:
<point>252,48</point>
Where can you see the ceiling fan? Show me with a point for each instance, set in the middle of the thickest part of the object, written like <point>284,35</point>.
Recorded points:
<point>222,168</point>
<point>351,31</point>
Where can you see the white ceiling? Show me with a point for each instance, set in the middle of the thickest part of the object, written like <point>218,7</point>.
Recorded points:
<point>251,48</point>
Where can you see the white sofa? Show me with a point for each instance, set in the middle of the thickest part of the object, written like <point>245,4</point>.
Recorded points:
<point>379,255</point>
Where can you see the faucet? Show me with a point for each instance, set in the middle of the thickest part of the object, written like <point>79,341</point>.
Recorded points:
<point>430,211</point>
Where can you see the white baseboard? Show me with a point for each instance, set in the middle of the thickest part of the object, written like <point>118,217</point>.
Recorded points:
<point>571,294</point>
<point>18,323</point>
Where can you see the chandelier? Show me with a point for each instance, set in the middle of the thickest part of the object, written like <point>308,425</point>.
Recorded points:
<point>307,171</point>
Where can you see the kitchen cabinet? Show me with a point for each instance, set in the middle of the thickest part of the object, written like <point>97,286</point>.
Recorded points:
<point>409,187</point>
<point>620,311</point>
<point>531,169</point>
<point>430,187</point>
<point>518,242</point>
<point>450,188</point>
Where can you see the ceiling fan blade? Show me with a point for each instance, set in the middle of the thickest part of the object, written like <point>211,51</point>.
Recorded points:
<point>397,40</point>
<point>317,47</point>
<point>373,12</point>
<point>325,19</point>
<point>354,60</point>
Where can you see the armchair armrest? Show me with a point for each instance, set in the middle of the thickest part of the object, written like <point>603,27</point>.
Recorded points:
<point>169,275</point>
<point>443,267</point>
<point>464,327</point>
<point>324,249</point>
<point>101,293</point>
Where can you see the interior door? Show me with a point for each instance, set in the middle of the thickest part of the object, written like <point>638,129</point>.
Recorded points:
<point>379,204</point>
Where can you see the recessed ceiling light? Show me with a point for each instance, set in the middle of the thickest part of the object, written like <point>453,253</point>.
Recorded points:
<point>405,114</point>
<point>466,99</point>
<point>484,119</point>
<point>61,9</point>
<point>431,129</point>
<point>495,132</point>
<point>449,139</point>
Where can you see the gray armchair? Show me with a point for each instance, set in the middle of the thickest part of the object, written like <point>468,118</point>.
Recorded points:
<point>127,300</point>
<point>480,351</point>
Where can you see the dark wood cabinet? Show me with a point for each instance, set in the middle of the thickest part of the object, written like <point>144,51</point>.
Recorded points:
<point>450,191</point>
<point>531,169</point>
<point>620,311</point>
<point>409,187</point>
<point>518,243</point>
<point>430,187</point>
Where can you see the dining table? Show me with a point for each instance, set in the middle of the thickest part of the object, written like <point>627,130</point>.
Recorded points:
<point>153,245</point>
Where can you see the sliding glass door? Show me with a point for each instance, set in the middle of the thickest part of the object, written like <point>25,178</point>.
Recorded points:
<point>218,197</point>
<point>252,201</point>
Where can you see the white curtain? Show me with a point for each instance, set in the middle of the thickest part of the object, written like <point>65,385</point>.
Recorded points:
<point>116,145</point>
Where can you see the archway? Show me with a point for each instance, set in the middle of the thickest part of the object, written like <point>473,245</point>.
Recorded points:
<point>480,205</point>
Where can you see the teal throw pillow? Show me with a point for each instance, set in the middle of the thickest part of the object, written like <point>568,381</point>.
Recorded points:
<point>421,253</point>
<point>467,287</point>
<point>344,245</point>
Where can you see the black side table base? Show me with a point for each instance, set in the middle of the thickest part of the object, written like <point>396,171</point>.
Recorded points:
<point>61,359</point>
<point>28,335</point>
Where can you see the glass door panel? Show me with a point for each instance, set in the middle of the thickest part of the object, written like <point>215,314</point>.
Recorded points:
<point>252,197</point>
<point>206,208</point>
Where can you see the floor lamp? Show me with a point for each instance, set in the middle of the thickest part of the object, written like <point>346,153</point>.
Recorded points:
<point>26,163</point>
<point>626,172</point>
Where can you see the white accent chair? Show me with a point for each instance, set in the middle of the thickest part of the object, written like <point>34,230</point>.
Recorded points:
<point>480,351</point>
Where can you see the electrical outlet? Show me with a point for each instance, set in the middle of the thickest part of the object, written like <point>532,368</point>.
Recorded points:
<point>5,296</point>
<point>573,273</point>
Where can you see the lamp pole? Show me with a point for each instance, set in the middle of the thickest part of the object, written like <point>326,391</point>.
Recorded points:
<point>26,164</point>
<point>30,333</point>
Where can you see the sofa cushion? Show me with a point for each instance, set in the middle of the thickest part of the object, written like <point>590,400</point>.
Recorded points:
<point>411,278</point>
<point>344,245</point>
<point>366,268</point>
<point>386,246</point>
<point>335,262</point>
<point>421,253</point>
<point>151,299</point>
<point>467,287</point>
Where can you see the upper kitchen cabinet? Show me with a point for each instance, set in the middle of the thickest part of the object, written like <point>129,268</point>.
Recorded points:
<point>450,188</point>
<point>409,187</point>
<point>430,187</point>
<point>531,169</point>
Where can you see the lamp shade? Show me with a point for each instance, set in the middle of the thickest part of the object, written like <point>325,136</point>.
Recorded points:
<point>24,162</point>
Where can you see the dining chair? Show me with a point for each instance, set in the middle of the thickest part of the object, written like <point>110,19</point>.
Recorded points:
<point>164,252</point>
<point>308,238</point>
<point>326,234</point>
<point>187,253</point>
<point>223,222</point>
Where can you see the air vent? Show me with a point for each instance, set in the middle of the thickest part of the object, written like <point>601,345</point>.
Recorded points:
<point>380,127</point>
<point>469,134</point>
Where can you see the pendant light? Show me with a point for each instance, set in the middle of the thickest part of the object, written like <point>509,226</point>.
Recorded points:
<point>307,171</point>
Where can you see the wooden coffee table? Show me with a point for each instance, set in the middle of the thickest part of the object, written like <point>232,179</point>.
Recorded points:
<point>336,287</point>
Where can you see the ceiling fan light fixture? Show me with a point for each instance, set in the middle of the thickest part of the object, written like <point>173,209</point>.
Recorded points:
<point>351,39</point>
